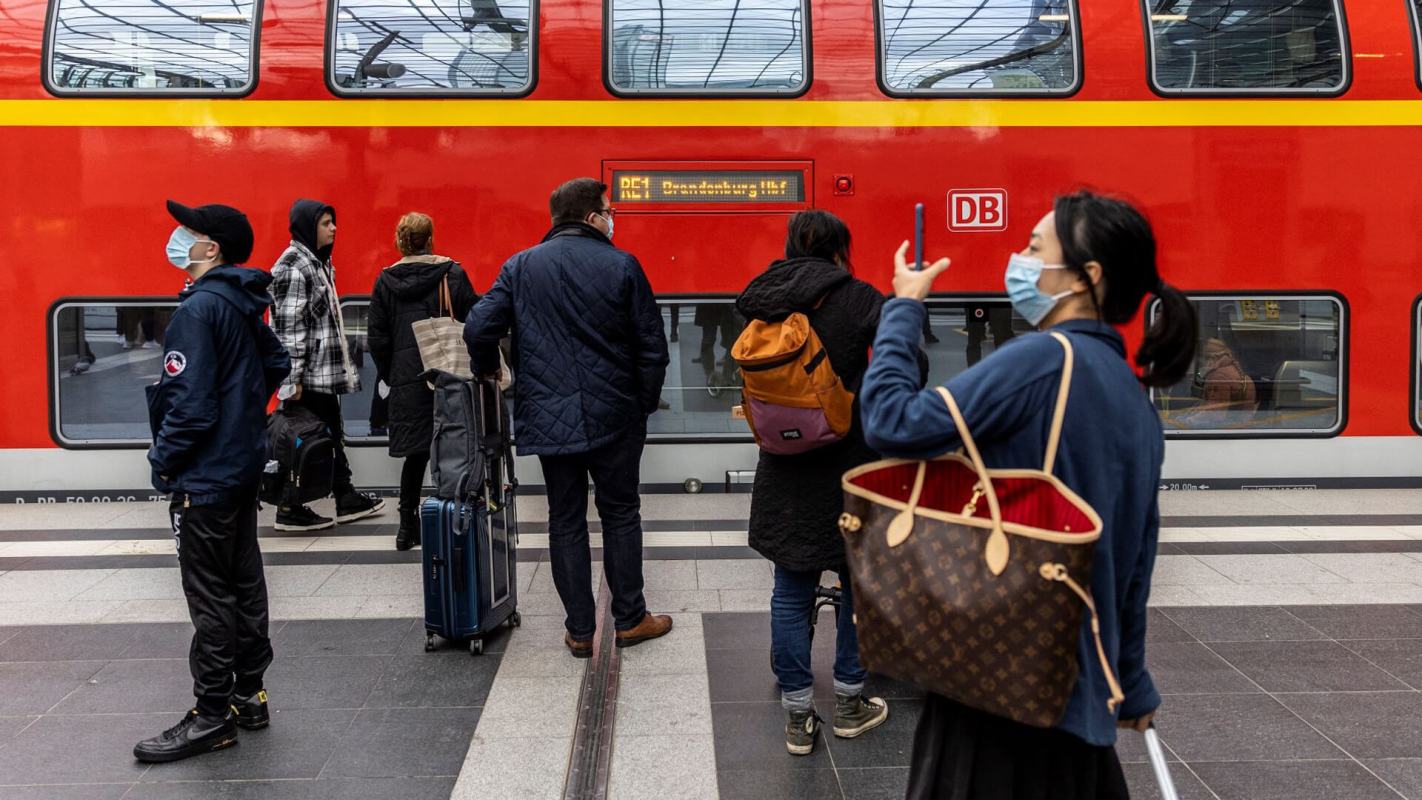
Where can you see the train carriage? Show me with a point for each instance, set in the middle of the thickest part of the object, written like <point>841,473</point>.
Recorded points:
<point>1269,141</point>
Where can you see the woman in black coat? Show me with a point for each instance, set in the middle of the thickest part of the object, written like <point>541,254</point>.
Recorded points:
<point>407,292</point>
<point>797,499</point>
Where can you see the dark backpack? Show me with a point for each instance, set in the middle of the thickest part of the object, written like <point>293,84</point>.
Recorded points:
<point>301,457</point>
<point>471,449</point>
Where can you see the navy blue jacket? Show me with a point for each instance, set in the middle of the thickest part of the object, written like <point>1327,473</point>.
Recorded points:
<point>588,354</point>
<point>1111,450</point>
<point>208,410</point>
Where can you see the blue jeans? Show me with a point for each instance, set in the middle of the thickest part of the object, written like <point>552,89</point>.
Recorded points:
<point>790,605</point>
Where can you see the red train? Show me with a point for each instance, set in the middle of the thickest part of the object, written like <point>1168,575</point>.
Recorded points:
<point>1269,140</point>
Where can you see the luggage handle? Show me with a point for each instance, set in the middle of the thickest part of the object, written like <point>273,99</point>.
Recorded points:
<point>1158,765</point>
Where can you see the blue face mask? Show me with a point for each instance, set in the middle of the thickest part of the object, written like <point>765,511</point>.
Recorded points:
<point>1028,300</point>
<point>180,244</point>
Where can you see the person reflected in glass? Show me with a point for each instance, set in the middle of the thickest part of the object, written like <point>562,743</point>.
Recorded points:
<point>716,319</point>
<point>980,320</point>
<point>1088,267</point>
<point>406,292</point>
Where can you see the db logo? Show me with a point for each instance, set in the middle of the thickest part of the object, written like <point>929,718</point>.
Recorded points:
<point>977,210</point>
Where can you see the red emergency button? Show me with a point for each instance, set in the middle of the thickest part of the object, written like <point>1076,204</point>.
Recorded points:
<point>844,184</point>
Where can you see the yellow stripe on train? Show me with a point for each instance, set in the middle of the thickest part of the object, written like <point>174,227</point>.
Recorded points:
<point>940,113</point>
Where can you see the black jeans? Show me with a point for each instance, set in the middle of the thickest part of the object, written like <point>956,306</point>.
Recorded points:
<point>327,408</point>
<point>615,469</point>
<point>226,589</point>
<point>412,480</point>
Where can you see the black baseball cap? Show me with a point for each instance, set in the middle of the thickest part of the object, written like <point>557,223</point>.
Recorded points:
<point>223,224</point>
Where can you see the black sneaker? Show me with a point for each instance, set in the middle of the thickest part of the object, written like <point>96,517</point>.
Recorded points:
<point>301,518</point>
<point>801,731</point>
<point>195,735</point>
<point>856,714</point>
<point>352,506</point>
<point>250,713</point>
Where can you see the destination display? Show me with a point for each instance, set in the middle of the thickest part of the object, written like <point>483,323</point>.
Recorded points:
<point>708,186</point>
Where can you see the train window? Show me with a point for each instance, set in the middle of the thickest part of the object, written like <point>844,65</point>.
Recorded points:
<point>363,413</point>
<point>432,46</point>
<point>949,47</point>
<point>702,383</point>
<point>1247,46</point>
<point>708,47</point>
<point>145,46</point>
<point>102,355</point>
<point>1264,365</point>
<point>960,332</point>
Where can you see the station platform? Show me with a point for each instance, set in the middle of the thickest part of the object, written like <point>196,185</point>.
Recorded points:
<point>1285,636</point>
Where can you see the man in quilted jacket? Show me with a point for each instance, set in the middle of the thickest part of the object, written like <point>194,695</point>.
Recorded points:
<point>590,356</point>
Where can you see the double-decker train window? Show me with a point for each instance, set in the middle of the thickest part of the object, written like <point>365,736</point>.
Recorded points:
<point>102,355</point>
<point>953,47</point>
<point>1415,7</point>
<point>1247,46</point>
<point>1416,411</point>
<point>364,414</point>
<point>1264,365</point>
<point>708,46</point>
<point>432,46</point>
<point>152,46</point>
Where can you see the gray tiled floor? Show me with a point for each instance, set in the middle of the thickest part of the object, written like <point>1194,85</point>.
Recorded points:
<point>360,711</point>
<point>1259,703</point>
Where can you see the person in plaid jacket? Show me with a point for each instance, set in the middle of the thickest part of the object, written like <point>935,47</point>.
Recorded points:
<point>307,319</point>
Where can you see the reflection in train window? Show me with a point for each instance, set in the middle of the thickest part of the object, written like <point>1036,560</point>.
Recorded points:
<point>989,47</point>
<point>135,46</point>
<point>1262,365</point>
<point>960,333</point>
<point>432,46</point>
<point>104,355</point>
<point>708,46</point>
<point>364,414</point>
<point>703,384</point>
<point>1260,46</point>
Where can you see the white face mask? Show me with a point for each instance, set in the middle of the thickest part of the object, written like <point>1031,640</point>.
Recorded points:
<point>180,244</point>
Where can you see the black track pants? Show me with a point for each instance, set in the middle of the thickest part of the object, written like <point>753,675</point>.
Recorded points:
<point>227,599</point>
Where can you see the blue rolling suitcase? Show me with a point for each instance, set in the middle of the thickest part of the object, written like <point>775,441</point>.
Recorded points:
<point>470,541</point>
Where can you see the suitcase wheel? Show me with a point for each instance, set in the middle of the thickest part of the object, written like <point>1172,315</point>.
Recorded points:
<point>515,620</point>
<point>429,643</point>
<point>476,647</point>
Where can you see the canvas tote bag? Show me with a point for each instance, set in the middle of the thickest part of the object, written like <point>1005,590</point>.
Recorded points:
<point>441,342</point>
<point>980,602</point>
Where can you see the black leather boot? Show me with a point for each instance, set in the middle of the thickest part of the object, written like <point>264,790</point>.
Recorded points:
<point>409,534</point>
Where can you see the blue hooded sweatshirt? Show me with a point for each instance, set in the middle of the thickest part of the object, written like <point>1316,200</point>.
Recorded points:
<point>208,410</point>
<point>1112,446</point>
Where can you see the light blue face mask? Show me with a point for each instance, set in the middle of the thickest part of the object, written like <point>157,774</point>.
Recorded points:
<point>1028,300</point>
<point>180,244</point>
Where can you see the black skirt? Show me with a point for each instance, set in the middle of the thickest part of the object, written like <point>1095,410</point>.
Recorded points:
<point>962,754</point>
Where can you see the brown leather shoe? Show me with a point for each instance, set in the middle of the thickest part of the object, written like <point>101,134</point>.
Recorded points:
<point>580,648</point>
<point>650,627</point>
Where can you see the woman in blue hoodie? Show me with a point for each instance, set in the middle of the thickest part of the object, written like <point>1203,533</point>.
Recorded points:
<point>1088,267</point>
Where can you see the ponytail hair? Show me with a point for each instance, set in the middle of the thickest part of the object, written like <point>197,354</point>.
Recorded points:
<point>1115,235</point>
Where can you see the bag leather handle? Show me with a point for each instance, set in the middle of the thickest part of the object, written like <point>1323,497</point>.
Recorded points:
<point>1055,436</point>
<point>446,302</point>
<point>996,552</point>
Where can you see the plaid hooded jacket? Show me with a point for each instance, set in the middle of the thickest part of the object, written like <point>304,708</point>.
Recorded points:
<point>306,315</point>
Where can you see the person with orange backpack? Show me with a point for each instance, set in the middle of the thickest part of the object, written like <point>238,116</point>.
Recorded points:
<point>802,356</point>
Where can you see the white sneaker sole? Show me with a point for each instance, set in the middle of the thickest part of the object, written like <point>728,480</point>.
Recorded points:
<point>375,509</point>
<point>800,749</point>
<point>320,526</point>
<point>850,733</point>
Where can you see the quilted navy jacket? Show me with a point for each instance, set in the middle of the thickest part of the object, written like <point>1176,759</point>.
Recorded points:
<point>588,353</point>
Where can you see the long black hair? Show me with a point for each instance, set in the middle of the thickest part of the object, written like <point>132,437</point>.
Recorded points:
<point>818,234</point>
<point>1114,234</point>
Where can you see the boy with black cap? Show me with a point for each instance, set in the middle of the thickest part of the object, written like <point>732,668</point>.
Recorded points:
<point>208,415</point>
<point>307,319</point>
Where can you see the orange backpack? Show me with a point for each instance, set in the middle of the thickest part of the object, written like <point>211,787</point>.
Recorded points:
<point>792,397</point>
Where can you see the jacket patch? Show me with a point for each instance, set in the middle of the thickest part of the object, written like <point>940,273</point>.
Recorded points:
<point>174,363</point>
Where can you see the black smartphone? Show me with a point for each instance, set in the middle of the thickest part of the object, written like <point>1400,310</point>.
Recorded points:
<point>918,236</point>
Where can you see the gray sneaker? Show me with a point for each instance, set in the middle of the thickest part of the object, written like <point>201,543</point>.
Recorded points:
<point>800,732</point>
<point>856,714</point>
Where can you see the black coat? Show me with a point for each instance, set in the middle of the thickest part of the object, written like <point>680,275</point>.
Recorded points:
<point>208,411</point>
<point>589,353</point>
<point>407,292</point>
<point>797,499</point>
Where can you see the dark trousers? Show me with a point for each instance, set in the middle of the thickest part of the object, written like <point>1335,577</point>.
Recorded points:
<point>615,469</point>
<point>226,589</point>
<point>327,408</point>
<point>412,480</point>
<point>1000,321</point>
